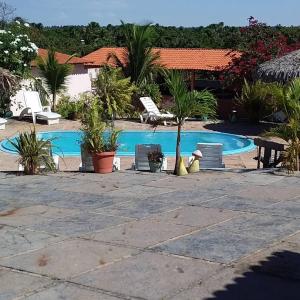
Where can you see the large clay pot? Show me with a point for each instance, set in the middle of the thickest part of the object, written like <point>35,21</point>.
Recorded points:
<point>103,162</point>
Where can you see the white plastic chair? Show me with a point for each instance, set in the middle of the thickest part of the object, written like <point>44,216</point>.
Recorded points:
<point>152,112</point>
<point>34,108</point>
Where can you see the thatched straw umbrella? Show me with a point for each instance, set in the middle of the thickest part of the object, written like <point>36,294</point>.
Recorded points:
<point>281,69</point>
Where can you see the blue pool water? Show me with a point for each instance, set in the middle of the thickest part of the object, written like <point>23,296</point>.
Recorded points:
<point>67,143</point>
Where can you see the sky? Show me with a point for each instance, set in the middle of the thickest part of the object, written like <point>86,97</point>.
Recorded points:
<point>165,12</point>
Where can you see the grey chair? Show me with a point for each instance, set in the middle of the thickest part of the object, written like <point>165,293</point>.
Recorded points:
<point>212,155</point>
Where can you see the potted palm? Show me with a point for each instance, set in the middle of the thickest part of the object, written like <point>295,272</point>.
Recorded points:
<point>155,159</point>
<point>98,142</point>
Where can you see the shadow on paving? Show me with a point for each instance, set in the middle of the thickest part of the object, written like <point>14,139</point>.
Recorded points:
<point>276,278</point>
<point>244,128</point>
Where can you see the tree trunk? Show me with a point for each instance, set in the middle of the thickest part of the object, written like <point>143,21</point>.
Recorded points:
<point>178,147</point>
<point>54,102</point>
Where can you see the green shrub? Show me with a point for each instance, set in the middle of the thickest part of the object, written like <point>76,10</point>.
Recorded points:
<point>70,108</point>
<point>150,90</point>
<point>260,99</point>
<point>9,84</point>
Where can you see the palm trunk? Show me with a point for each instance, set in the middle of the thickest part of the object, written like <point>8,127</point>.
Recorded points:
<point>178,148</point>
<point>53,101</point>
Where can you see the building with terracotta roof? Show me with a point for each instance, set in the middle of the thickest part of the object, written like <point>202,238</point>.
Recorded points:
<point>78,81</point>
<point>189,60</point>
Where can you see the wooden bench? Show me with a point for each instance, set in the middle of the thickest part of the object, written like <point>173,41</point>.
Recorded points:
<point>271,153</point>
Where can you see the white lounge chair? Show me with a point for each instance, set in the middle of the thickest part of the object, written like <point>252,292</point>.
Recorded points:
<point>152,112</point>
<point>34,108</point>
<point>141,157</point>
<point>212,155</point>
<point>2,123</point>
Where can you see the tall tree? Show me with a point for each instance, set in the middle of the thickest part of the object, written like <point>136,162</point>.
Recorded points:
<point>6,13</point>
<point>54,73</point>
<point>138,61</point>
<point>187,104</point>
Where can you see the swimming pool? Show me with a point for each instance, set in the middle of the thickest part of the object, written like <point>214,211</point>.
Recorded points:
<point>67,143</point>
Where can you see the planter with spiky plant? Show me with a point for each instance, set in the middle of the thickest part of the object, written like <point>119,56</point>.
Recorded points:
<point>34,152</point>
<point>54,74</point>
<point>187,104</point>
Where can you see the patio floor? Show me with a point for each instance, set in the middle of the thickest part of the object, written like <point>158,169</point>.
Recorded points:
<point>129,235</point>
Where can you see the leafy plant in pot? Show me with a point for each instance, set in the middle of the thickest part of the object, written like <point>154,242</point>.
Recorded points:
<point>101,144</point>
<point>155,159</point>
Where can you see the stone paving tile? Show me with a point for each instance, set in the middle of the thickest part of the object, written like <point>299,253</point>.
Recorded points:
<point>206,289</point>
<point>15,241</point>
<point>15,284</point>
<point>285,208</point>
<point>68,258</point>
<point>149,275</point>
<point>68,292</point>
<point>138,209</point>
<point>294,239</point>
<point>192,197</point>
<point>78,224</point>
<point>196,216</point>
<point>281,260</point>
<point>220,246</point>
<point>227,285</point>
<point>143,233</point>
<point>140,192</point>
<point>237,203</point>
<point>33,214</point>
<point>266,193</point>
<point>269,228</point>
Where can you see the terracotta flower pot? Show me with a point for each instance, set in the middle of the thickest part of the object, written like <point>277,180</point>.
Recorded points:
<point>103,162</point>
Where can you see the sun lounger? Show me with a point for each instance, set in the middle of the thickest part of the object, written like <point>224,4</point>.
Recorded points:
<point>212,154</point>
<point>34,109</point>
<point>152,112</point>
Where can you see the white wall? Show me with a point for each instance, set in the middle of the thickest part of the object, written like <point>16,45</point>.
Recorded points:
<point>78,82</point>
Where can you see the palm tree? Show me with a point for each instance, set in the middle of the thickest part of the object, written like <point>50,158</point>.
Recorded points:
<point>290,132</point>
<point>54,73</point>
<point>138,61</point>
<point>187,104</point>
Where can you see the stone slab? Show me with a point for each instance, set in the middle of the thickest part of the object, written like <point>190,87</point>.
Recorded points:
<point>33,214</point>
<point>269,228</point>
<point>138,209</point>
<point>196,216</point>
<point>143,233</point>
<point>69,292</point>
<point>237,203</point>
<point>15,241</point>
<point>149,275</point>
<point>228,285</point>
<point>15,284</point>
<point>69,258</point>
<point>218,246</point>
<point>79,224</point>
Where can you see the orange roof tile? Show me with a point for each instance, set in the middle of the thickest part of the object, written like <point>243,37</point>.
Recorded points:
<point>174,58</point>
<point>61,57</point>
